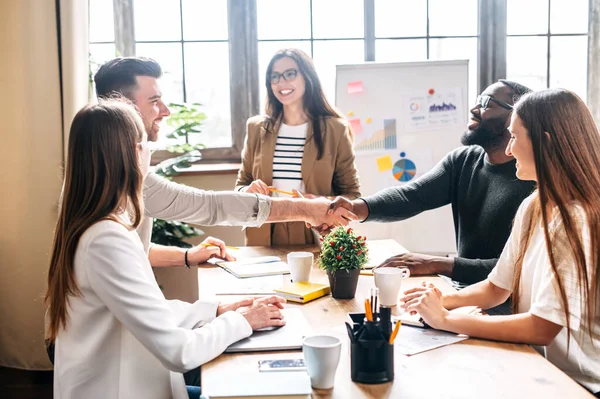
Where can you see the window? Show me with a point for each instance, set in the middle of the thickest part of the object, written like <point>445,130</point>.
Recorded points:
<point>547,44</point>
<point>192,40</point>
<point>428,29</point>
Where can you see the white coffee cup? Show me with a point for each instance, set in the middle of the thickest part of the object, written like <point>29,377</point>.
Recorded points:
<point>300,264</point>
<point>322,355</point>
<point>389,282</point>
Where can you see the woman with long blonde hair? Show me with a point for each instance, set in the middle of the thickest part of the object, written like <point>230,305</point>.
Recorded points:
<point>551,262</point>
<point>116,335</point>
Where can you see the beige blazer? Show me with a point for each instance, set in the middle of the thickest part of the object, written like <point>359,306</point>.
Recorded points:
<point>334,174</point>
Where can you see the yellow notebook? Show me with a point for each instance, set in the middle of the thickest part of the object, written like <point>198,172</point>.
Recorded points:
<point>303,291</point>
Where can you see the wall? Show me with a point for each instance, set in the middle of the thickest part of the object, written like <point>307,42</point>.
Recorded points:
<point>31,151</point>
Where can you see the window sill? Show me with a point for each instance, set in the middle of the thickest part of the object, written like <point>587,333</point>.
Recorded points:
<point>204,169</point>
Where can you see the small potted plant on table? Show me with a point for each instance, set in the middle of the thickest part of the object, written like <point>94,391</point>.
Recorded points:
<point>343,255</point>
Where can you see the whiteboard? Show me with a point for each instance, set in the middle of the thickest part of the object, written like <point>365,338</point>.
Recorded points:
<point>406,117</point>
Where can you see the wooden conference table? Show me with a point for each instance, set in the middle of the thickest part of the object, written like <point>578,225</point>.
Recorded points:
<point>472,368</point>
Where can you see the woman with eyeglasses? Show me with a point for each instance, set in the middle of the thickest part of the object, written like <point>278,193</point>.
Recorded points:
<point>116,335</point>
<point>301,146</point>
<point>551,262</point>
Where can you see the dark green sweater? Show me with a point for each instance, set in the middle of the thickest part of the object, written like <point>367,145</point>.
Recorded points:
<point>484,199</point>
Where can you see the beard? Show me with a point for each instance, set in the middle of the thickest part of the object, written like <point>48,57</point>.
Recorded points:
<point>152,131</point>
<point>488,134</point>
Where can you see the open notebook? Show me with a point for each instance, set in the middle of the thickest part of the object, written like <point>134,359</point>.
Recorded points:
<point>255,267</point>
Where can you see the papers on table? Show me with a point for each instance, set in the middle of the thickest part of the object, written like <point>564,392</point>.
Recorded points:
<point>413,340</point>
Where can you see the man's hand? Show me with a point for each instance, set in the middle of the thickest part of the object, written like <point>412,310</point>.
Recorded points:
<point>320,214</point>
<point>421,264</point>
<point>201,253</point>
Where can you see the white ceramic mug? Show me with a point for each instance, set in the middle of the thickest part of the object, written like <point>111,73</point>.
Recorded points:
<point>300,264</point>
<point>322,355</point>
<point>389,282</point>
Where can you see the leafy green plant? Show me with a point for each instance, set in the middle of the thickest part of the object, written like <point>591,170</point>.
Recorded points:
<point>343,250</point>
<point>185,119</point>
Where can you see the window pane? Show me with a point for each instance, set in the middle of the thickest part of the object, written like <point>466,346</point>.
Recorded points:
<point>395,18</point>
<point>99,54</point>
<point>168,55</point>
<point>283,19</point>
<point>527,17</point>
<point>204,19</point>
<point>157,20</point>
<point>568,63</point>
<point>266,50</point>
<point>338,19</point>
<point>458,49</point>
<point>526,61</point>
<point>208,84</point>
<point>453,18</point>
<point>102,23</point>
<point>328,54</point>
<point>569,16</point>
<point>399,50</point>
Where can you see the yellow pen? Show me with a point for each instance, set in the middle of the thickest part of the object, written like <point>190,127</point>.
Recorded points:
<point>213,245</point>
<point>396,329</point>
<point>274,190</point>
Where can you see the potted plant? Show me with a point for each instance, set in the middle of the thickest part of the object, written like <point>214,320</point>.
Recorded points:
<point>343,255</point>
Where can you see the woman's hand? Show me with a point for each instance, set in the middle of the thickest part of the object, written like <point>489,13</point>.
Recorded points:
<point>264,312</point>
<point>257,186</point>
<point>202,253</point>
<point>427,301</point>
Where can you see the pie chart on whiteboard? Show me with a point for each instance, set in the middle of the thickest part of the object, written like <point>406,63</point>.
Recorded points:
<point>404,170</point>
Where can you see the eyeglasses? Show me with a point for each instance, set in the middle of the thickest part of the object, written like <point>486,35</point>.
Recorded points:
<point>484,101</point>
<point>288,76</point>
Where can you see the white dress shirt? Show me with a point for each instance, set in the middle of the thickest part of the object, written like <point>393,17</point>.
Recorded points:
<point>123,339</point>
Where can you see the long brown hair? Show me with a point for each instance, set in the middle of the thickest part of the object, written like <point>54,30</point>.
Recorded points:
<point>315,103</point>
<point>566,150</point>
<point>102,177</point>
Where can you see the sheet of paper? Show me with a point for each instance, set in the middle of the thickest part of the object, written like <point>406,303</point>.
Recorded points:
<point>356,125</point>
<point>384,163</point>
<point>379,134</point>
<point>231,285</point>
<point>432,111</point>
<point>355,87</point>
<point>413,340</point>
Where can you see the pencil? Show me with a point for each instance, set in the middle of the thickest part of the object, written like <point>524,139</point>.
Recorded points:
<point>396,329</point>
<point>213,245</point>
<point>368,313</point>
<point>274,190</point>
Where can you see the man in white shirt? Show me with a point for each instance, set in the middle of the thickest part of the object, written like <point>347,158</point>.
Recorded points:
<point>138,79</point>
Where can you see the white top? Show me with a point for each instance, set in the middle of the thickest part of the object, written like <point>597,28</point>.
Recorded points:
<point>287,159</point>
<point>123,338</point>
<point>540,297</point>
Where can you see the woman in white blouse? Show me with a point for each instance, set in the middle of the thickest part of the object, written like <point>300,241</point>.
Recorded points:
<point>551,262</point>
<point>116,335</point>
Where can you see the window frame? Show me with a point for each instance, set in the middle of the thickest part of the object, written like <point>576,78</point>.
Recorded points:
<point>243,57</point>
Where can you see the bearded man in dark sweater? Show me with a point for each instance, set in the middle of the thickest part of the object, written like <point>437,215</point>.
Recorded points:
<point>480,182</point>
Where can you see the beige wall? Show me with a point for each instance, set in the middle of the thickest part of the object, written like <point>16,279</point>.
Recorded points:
<point>179,282</point>
<point>31,151</point>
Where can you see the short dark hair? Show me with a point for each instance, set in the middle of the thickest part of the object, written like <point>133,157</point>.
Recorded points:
<point>119,75</point>
<point>518,90</point>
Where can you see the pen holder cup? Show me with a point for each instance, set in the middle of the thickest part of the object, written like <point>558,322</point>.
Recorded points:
<point>371,355</point>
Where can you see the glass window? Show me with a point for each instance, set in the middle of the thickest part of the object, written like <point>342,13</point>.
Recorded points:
<point>526,17</point>
<point>102,24</point>
<point>569,16</point>
<point>395,18</point>
<point>100,53</point>
<point>400,50</point>
<point>157,20</point>
<point>207,83</point>
<point>204,19</point>
<point>329,53</point>
<point>338,19</point>
<point>568,63</point>
<point>283,19</point>
<point>168,55</point>
<point>526,61</point>
<point>453,18</point>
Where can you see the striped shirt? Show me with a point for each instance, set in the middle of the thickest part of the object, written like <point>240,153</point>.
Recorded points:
<point>287,159</point>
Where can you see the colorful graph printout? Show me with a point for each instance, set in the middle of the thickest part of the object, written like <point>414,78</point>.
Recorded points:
<point>378,135</point>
